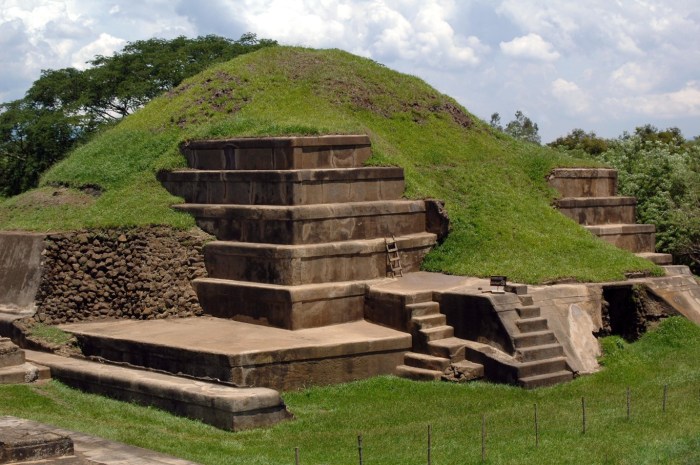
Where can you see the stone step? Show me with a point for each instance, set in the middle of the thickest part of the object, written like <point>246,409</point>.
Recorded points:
<point>313,263</point>
<point>536,338</point>
<point>451,348</point>
<point>278,153</point>
<point>436,333</point>
<point>417,374</point>
<point>24,373</point>
<point>423,308</point>
<point>429,321</point>
<point>528,311</point>
<point>661,259</point>
<point>632,237</point>
<point>548,379</point>
<point>584,182</point>
<point>309,224</point>
<point>464,370</point>
<point>288,307</point>
<point>10,354</point>
<point>599,210</point>
<point>425,361</point>
<point>223,406</point>
<point>540,367</point>
<point>529,354</point>
<point>294,187</point>
<point>529,325</point>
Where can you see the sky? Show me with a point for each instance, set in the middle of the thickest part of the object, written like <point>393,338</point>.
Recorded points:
<point>606,66</point>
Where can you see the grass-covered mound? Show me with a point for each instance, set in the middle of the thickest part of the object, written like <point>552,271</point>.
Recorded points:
<point>494,186</point>
<point>392,414</point>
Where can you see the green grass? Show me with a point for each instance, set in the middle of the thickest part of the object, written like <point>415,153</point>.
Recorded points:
<point>50,334</point>
<point>393,414</point>
<point>494,186</point>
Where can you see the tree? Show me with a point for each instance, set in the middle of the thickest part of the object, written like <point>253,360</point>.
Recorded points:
<point>66,106</point>
<point>521,127</point>
<point>578,139</point>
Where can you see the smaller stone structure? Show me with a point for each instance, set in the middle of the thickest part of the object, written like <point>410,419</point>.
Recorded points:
<point>14,368</point>
<point>589,197</point>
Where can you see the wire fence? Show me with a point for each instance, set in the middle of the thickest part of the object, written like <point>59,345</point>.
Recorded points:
<point>624,408</point>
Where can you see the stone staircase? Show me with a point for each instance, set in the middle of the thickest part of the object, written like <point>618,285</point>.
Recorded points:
<point>300,224</point>
<point>14,368</point>
<point>531,356</point>
<point>589,196</point>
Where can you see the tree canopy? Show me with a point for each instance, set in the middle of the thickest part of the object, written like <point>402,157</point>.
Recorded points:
<point>64,107</point>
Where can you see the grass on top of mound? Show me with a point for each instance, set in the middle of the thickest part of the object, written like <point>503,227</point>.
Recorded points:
<point>494,187</point>
<point>393,414</point>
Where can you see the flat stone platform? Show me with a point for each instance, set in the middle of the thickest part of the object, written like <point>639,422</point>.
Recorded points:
<point>87,449</point>
<point>223,406</point>
<point>247,354</point>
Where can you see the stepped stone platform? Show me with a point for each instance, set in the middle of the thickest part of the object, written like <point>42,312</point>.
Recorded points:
<point>247,354</point>
<point>589,197</point>
<point>302,227</point>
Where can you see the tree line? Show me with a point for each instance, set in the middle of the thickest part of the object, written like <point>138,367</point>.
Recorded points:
<point>65,107</point>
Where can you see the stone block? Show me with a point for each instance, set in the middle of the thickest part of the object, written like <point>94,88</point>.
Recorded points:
<point>599,210</point>
<point>309,224</point>
<point>632,237</point>
<point>299,187</point>
<point>288,307</point>
<point>584,182</point>
<point>278,153</point>
<point>10,354</point>
<point>219,405</point>
<point>312,263</point>
<point>23,445</point>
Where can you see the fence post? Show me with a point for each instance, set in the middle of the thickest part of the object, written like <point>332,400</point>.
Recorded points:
<point>583,413</point>
<point>665,396</point>
<point>359,447</point>
<point>628,402</point>
<point>537,429</point>
<point>483,437</point>
<point>296,456</point>
<point>430,441</point>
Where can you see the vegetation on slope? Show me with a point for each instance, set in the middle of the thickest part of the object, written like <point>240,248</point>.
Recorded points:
<point>392,414</point>
<point>494,186</point>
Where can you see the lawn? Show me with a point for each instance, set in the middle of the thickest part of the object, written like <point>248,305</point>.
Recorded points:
<point>393,416</point>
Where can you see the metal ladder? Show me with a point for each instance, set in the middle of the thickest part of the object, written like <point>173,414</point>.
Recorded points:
<point>392,250</point>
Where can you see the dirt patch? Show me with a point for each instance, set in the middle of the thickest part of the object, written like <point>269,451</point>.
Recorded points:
<point>56,197</point>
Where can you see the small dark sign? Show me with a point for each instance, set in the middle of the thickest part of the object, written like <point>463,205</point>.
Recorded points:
<point>498,281</point>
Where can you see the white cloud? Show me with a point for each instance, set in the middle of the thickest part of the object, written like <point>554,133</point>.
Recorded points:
<point>104,45</point>
<point>531,46</point>
<point>682,103</point>
<point>636,77</point>
<point>571,96</point>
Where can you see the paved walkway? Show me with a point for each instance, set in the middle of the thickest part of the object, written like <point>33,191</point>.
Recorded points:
<point>90,449</point>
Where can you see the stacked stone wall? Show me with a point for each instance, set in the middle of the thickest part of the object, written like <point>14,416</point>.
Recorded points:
<point>137,273</point>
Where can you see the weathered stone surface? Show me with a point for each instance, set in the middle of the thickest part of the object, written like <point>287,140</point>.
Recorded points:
<point>278,153</point>
<point>309,224</point>
<point>293,187</point>
<point>10,354</point>
<point>137,273</point>
<point>584,182</point>
<point>288,307</point>
<point>20,273</point>
<point>632,237</point>
<point>22,445</point>
<point>599,210</point>
<point>314,263</point>
<point>249,355</point>
<point>223,406</point>
<point>91,450</point>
